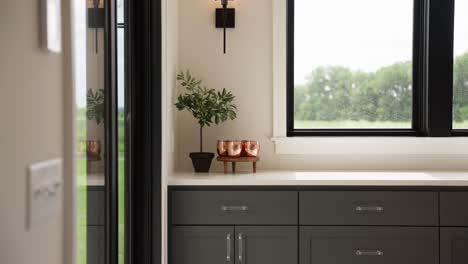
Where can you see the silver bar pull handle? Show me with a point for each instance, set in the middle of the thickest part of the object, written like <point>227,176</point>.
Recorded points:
<point>234,208</point>
<point>366,252</point>
<point>241,247</point>
<point>363,208</point>
<point>228,247</point>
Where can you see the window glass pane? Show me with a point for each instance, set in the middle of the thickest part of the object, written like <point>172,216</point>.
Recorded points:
<point>460,69</point>
<point>89,74</point>
<point>121,139</point>
<point>120,11</point>
<point>353,64</point>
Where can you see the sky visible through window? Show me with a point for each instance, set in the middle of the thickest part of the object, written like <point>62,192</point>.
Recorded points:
<point>460,80</point>
<point>461,27</point>
<point>361,34</point>
<point>353,62</point>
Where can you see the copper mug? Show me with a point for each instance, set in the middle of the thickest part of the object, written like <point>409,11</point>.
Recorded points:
<point>234,148</point>
<point>93,149</point>
<point>221,146</point>
<point>251,148</point>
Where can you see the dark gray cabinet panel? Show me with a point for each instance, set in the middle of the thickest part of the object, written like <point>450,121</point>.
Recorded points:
<point>266,245</point>
<point>368,208</point>
<point>95,240</point>
<point>234,207</point>
<point>453,209</point>
<point>202,245</point>
<point>95,245</point>
<point>453,245</point>
<point>95,205</point>
<point>369,245</point>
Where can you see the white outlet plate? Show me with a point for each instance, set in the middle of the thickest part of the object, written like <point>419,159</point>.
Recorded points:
<point>45,191</point>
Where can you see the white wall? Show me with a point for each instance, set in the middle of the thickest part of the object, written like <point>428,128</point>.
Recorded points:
<point>247,70</point>
<point>31,129</point>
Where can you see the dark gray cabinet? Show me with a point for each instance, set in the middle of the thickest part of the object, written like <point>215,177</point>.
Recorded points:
<point>369,208</point>
<point>266,244</point>
<point>453,245</point>
<point>95,229</point>
<point>453,209</point>
<point>203,245</point>
<point>362,245</point>
<point>95,205</point>
<point>95,246</point>
<point>239,245</point>
<point>234,207</point>
<point>318,226</point>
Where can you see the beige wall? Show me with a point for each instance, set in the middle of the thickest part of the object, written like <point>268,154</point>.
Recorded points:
<point>247,70</point>
<point>31,129</point>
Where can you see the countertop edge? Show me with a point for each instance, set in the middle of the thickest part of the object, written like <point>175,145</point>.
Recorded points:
<point>289,178</point>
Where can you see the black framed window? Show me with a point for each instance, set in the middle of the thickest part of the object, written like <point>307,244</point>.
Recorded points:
<point>365,68</point>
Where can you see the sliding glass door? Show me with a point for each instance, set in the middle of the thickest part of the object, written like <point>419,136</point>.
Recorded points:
<point>98,60</point>
<point>117,72</point>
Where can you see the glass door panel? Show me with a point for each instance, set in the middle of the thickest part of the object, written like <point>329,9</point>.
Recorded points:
<point>94,93</point>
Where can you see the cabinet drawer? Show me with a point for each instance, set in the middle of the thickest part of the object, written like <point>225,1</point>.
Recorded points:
<point>453,208</point>
<point>234,207</point>
<point>369,208</point>
<point>95,206</point>
<point>369,245</point>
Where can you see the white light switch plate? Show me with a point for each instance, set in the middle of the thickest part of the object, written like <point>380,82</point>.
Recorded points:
<point>45,191</point>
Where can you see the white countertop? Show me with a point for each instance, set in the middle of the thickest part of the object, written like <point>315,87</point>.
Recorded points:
<point>291,178</point>
<point>96,179</point>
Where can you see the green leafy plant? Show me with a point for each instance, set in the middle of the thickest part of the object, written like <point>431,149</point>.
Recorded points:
<point>95,105</point>
<point>208,106</point>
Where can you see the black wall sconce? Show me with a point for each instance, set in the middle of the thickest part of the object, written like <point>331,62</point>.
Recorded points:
<point>96,17</point>
<point>225,18</point>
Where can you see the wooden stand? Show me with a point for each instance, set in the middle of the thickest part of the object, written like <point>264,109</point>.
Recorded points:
<point>234,160</point>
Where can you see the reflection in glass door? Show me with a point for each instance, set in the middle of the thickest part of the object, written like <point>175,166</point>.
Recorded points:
<point>93,96</point>
<point>121,127</point>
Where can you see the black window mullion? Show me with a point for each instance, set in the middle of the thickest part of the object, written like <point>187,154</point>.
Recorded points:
<point>419,62</point>
<point>290,69</point>
<point>438,96</point>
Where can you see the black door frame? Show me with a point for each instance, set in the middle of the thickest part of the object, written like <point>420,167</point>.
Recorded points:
<point>143,148</point>
<point>111,138</point>
<point>143,132</point>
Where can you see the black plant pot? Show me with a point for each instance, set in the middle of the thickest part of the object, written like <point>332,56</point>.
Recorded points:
<point>201,161</point>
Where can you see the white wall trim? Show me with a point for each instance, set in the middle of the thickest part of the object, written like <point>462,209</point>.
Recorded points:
<point>372,145</point>
<point>338,145</point>
<point>279,68</point>
<point>70,25</point>
<point>164,133</point>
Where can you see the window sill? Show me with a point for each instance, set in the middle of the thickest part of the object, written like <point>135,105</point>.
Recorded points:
<point>371,145</point>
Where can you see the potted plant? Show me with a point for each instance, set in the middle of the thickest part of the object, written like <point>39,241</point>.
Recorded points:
<point>95,111</point>
<point>208,106</point>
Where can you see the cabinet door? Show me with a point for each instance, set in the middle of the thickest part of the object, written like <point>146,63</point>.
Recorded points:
<point>95,245</point>
<point>203,245</point>
<point>453,245</point>
<point>266,244</point>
